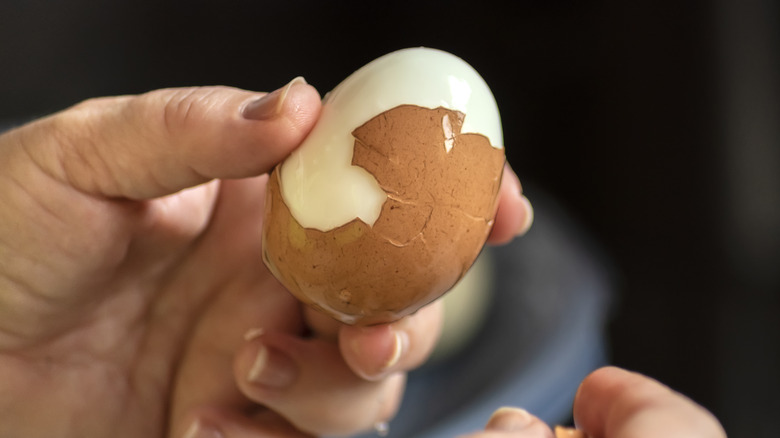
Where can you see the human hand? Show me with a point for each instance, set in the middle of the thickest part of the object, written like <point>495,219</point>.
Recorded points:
<point>130,273</point>
<point>615,403</point>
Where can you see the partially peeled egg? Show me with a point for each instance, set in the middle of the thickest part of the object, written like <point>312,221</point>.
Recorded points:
<point>391,197</point>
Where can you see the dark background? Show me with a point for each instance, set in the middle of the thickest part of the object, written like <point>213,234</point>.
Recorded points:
<point>655,123</point>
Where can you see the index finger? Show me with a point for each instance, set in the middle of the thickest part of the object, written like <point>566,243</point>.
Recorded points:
<point>515,214</point>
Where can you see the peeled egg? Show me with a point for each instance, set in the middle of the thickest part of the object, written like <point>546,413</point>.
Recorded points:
<point>391,197</point>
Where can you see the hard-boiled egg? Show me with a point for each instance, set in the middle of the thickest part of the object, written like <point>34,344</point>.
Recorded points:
<point>391,197</point>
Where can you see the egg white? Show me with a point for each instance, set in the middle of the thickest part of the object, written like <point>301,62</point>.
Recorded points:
<point>318,183</point>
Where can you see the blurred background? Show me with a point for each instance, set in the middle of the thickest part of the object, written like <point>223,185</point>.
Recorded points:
<point>654,124</point>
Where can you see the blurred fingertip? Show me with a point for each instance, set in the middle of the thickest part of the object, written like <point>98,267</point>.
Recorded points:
<point>271,368</point>
<point>400,344</point>
<point>509,419</point>
<point>528,217</point>
<point>514,180</point>
<point>371,351</point>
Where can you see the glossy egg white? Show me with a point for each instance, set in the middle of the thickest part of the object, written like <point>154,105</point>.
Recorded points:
<point>318,182</point>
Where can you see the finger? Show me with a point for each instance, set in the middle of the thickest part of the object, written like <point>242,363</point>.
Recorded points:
<point>227,291</point>
<point>510,419</point>
<point>308,383</point>
<point>509,422</point>
<point>612,402</point>
<point>221,423</point>
<point>374,352</point>
<point>160,142</point>
<point>515,214</point>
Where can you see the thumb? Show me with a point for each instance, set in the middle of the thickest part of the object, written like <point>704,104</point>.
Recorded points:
<point>158,143</point>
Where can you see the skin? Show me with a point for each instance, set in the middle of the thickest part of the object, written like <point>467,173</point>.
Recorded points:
<point>615,403</point>
<point>133,299</point>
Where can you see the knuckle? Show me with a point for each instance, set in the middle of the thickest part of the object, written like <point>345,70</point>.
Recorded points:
<point>179,107</point>
<point>183,107</point>
<point>78,138</point>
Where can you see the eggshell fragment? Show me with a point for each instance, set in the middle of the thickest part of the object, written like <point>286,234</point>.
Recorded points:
<point>442,189</point>
<point>568,432</point>
<point>319,184</point>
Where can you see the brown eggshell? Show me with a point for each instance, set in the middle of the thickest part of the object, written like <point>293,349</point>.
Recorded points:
<point>438,213</point>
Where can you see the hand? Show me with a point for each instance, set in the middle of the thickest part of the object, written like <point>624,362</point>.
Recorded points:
<point>613,403</point>
<point>132,286</point>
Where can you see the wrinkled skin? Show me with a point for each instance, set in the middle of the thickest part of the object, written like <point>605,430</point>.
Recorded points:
<point>130,274</point>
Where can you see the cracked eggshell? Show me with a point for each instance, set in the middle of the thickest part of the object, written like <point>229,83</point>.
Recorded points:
<point>389,200</point>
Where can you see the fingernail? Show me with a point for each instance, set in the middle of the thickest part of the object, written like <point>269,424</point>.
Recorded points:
<point>525,225</point>
<point>515,180</point>
<point>401,340</point>
<point>253,333</point>
<point>272,369</point>
<point>399,346</point>
<point>270,105</point>
<point>200,430</point>
<point>381,350</point>
<point>509,419</point>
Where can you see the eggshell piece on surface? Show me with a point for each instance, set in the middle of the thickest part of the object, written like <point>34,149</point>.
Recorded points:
<point>568,432</point>
<point>442,189</point>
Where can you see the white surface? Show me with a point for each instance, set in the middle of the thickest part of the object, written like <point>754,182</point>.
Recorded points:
<point>319,184</point>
